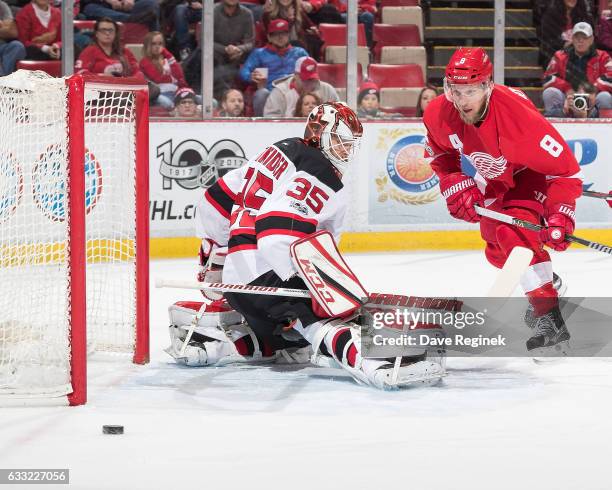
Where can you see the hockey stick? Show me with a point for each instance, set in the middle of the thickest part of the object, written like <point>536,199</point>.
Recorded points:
<point>375,300</point>
<point>598,195</point>
<point>504,218</point>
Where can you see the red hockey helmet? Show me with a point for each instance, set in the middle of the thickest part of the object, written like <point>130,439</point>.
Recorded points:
<point>469,65</point>
<point>335,129</point>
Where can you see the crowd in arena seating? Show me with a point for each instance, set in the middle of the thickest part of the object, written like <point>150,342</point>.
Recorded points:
<point>277,58</point>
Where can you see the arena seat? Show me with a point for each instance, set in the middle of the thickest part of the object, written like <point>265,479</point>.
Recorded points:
<point>132,33</point>
<point>605,113</point>
<point>404,111</point>
<point>399,96</point>
<point>335,34</point>
<point>394,35</point>
<point>335,74</point>
<point>52,67</point>
<point>404,15</point>
<point>137,50</point>
<point>337,54</point>
<point>397,34</point>
<point>399,3</point>
<point>396,75</point>
<point>84,25</point>
<point>404,55</point>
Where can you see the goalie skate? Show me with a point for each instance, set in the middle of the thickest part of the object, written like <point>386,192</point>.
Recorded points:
<point>415,370</point>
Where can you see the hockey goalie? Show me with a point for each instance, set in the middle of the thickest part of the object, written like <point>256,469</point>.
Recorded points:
<point>272,223</point>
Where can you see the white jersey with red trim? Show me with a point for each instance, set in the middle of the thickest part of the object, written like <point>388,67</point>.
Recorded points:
<point>289,191</point>
<point>212,213</point>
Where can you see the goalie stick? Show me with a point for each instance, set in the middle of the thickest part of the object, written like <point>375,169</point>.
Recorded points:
<point>504,218</point>
<point>375,300</point>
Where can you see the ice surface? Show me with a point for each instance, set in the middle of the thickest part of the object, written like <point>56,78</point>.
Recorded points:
<point>492,423</point>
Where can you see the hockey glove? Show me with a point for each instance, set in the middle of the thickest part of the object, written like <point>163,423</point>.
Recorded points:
<point>461,196</point>
<point>560,222</point>
<point>204,254</point>
<point>609,201</point>
<point>212,258</point>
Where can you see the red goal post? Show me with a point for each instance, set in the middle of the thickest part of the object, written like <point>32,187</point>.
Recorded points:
<point>73,229</point>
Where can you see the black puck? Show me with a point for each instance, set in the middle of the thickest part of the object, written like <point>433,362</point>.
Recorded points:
<point>112,429</point>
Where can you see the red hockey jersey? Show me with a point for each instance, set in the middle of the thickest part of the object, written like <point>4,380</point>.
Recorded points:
<point>513,137</point>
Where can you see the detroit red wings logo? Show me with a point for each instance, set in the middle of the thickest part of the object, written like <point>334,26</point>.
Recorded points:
<point>487,165</point>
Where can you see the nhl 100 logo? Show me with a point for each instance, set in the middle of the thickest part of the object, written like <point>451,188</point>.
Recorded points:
<point>191,165</point>
<point>49,181</point>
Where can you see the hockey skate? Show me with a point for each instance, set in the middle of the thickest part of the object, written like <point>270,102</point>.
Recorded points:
<point>530,318</point>
<point>551,336</point>
<point>381,373</point>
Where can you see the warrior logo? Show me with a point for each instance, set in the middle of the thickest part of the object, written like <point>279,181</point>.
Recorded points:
<point>488,166</point>
<point>192,165</point>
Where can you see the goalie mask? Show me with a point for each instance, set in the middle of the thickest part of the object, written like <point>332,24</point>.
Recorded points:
<point>335,129</point>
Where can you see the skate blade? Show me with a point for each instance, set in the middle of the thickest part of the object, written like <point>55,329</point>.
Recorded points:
<point>552,353</point>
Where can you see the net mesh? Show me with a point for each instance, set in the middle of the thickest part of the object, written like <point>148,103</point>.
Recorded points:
<point>34,230</point>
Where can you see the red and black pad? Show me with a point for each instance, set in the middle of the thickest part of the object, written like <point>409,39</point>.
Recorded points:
<point>328,277</point>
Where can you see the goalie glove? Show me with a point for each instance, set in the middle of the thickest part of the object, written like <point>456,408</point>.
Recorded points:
<point>560,221</point>
<point>212,259</point>
<point>461,196</point>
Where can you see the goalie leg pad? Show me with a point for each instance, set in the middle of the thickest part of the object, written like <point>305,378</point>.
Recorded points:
<point>200,335</point>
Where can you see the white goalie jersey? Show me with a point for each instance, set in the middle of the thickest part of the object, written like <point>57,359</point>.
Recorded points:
<point>288,191</point>
<point>213,212</point>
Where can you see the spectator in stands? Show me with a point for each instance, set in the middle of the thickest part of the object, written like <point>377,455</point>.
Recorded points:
<point>160,67</point>
<point>368,100</point>
<point>581,103</point>
<point>233,41</point>
<point>286,92</point>
<point>570,67</point>
<point>302,31</point>
<point>11,50</point>
<point>277,58</point>
<point>557,23</point>
<point>39,27</point>
<point>320,11</point>
<point>604,29</point>
<point>186,106</point>
<point>256,7</point>
<point>185,13</point>
<point>106,55</point>
<point>426,95</point>
<point>306,103</point>
<point>232,104</point>
<point>366,15</point>
<point>134,11</point>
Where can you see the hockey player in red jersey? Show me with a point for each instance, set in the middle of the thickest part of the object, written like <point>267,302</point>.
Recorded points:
<point>288,192</point>
<point>523,166</point>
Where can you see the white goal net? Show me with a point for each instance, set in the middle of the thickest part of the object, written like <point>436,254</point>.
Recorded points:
<point>44,123</point>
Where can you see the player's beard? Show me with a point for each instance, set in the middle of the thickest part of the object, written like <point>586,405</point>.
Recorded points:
<point>475,116</point>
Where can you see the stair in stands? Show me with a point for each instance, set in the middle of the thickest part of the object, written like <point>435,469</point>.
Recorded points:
<point>514,55</point>
<point>478,17</point>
